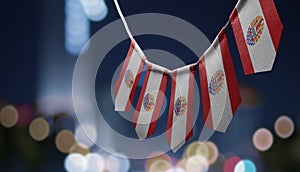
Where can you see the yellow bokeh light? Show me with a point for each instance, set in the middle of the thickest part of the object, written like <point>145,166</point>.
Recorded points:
<point>284,127</point>
<point>9,116</point>
<point>39,129</point>
<point>64,140</point>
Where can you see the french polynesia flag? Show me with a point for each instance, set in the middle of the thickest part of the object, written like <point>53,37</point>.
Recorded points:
<point>219,87</point>
<point>181,110</point>
<point>150,100</point>
<point>257,29</point>
<point>129,77</point>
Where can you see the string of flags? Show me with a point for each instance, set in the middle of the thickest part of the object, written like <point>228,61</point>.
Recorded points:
<point>257,29</point>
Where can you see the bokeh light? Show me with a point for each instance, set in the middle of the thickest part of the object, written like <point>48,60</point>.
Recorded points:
<point>64,140</point>
<point>77,27</point>
<point>197,163</point>
<point>86,134</point>
<point>156,156</point>
<point>250,96</point>
<point>263,139</point>
<point>9,116</point>
<point>95,162</point>
<point>26,112</point>
<point>112,164</point>
<point>284,127</point>
<point>176,170</point>
<point>196,148</point>
<point>245,166</point>
<point>182,163</point>
<point>55,104</point>
<point>124,162</point>
<point>230,164</point>
<point>75,163</point>
<point>160,165</point>
<point>39,129</point>
<point>79,148</point>
<point>213,152</point>
<point>95,10</point>
<point>219,164</point>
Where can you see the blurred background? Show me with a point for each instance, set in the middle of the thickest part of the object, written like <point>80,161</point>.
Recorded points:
<point>40,42</point>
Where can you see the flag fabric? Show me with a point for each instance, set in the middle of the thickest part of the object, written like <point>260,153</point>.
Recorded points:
<point>127,82</point>
<point>219,87</point>
<point>150,100</point>
<point>257,29</point>
<point>181,109</point>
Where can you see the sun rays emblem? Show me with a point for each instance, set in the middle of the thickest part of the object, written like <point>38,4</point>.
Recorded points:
<point>129,79</point>
<point>255,30</point>
<point>148,102</point>
<point>216,82</point>
<point>180,106</point>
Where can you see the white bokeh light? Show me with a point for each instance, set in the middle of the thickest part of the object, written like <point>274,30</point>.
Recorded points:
<point>197,163</point>
<point>176,170</point>
<point>95,162</point>
<point>113,164</point>
<point>75,163</point>
<point>124,162</point>
<point>95,10</point>
<point>77,27</point>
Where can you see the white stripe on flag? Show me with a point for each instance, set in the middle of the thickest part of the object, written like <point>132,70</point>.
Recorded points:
<point>150,100</point>
<point>180,122</point>
<point>220,94</point>
<point>128,79</point>
<point>257,33</point>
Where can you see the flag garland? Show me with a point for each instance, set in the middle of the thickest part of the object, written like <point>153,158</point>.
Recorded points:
<point>219,87</point>
<point>129,76</point>
<point>181,109</point>
<point>257,29</point>
<point>150,101</point>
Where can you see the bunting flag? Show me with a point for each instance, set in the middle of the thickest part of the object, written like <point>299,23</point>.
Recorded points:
<point>150,100</point>
<point>257,29</point>
<point>181,110</point>
<point>219,87</point>
<point>129,77</point>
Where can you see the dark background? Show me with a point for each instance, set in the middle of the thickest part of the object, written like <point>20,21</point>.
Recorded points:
<point>32,52</point>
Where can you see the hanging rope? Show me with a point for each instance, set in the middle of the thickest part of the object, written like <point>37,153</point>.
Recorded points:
<point>123,19</point>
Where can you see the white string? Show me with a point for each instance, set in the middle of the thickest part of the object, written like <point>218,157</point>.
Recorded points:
<point>123,19</point>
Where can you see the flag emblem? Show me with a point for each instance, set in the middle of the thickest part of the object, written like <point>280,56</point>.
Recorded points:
<point>180,106</point>
<point>216,82</point>
<point>148,102</point>
<point>129,79</point>
<point>255,30</point>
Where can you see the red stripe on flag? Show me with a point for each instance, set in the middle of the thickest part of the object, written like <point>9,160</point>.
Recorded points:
<point>241,42</point>
<point>136,82</point>
<point>124,67</point>
<point>141,97</point>
<point>190,110</point>
<point>158,104</point>
<point>232,84</point>
<point>171,108</point>
<point>273,20</point>
<point>205,95</point>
